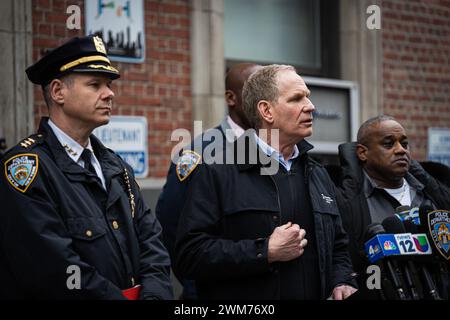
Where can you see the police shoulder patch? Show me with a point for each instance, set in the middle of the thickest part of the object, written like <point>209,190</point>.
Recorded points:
<point>21,170</point>
<point>187,163</point>
<point>439,227</point>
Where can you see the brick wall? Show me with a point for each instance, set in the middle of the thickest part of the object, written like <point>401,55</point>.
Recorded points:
<point>416,66</point>
<point>158,89</point>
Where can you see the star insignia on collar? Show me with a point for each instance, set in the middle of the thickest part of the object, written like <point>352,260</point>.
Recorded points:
<point>70,150</point>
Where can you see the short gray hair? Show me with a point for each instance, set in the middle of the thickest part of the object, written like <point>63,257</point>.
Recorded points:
<point>261,85</point>
<point>68,81</point>
<point>364,130</point>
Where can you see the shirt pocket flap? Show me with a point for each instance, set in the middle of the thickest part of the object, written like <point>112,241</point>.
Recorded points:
<point>86,228</point>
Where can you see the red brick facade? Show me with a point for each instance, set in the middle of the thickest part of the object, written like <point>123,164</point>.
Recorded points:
<point>158,89</point>
<point>416,66</point>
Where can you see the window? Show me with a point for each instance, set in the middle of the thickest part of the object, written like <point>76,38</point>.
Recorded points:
<point>302,33</point>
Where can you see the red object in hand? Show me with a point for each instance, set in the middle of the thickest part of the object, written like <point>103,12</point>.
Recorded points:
<point>132,293</point>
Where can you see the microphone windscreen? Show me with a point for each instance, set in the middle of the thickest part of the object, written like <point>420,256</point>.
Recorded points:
<point>423,214</point>
<point>410,226</point>
<point>372,230</point>
<point>402,209</point>
<point>393,225</point>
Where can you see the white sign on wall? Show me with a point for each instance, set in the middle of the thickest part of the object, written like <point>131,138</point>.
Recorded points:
<point>127,136</point>
<point>120,23</point>
<point>439,145</point>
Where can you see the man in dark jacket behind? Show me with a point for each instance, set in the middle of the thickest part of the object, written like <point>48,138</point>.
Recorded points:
<point>172,198</point>
<point>266,226</point>
<point>378,176</point>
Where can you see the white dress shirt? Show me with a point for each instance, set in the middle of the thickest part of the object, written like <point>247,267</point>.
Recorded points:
<point>74,150</point>
<point>237,130</point>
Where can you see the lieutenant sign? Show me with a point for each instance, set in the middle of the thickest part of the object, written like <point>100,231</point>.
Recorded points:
<point>127,136</point>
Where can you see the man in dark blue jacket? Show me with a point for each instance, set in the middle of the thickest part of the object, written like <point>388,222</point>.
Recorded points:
<point>378,176</point>
<point>266,226</point>
<point>172,198</point>
<point>73,223</point>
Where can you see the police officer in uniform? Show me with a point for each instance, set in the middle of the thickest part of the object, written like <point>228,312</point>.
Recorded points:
<point>74,224</point>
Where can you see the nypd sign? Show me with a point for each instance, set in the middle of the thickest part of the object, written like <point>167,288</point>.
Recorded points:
<point>127,136</point>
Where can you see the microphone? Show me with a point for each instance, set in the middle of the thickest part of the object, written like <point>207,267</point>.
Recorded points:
<point>394,225</point>
<point>402,208</point>
<point>406,213</point>
<point>377,240</point>
<point>424,209</point>
<point>410,226</point>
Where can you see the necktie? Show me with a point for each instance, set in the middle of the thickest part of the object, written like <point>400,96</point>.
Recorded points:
<point>86,155</point>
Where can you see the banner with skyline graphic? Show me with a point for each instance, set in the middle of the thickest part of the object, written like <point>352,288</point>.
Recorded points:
<point>120,23</point>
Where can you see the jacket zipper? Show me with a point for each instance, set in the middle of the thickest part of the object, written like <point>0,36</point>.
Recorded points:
<point>279,222</point>
<point>308,170</point>
<point>278,198</point>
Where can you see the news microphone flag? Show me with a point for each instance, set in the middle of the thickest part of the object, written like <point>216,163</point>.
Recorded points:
<point>411,214</point>
<point>401,244</point>
<point>421,243</point>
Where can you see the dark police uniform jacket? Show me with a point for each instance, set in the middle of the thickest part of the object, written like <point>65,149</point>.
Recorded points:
<point>230,212</point>
<point>57,221</point>
<point>173,197</point>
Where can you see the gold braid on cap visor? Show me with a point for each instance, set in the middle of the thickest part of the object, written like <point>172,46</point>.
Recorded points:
<point>83,60</point>
<point>97,66</point>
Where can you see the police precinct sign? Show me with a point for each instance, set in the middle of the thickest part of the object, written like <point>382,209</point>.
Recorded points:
<point>127,135</point>
<point>439,145</point>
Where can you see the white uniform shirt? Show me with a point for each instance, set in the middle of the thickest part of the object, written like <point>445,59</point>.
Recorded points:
<point>74,150</point>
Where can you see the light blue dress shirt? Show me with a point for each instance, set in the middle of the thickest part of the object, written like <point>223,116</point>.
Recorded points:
<point>271,152</point>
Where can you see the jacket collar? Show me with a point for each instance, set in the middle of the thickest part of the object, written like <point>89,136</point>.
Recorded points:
<point>255,156</point>
<point>370,185</point>
<point>58,152</point>
<point>110,163</point>
<point>350,165</point>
